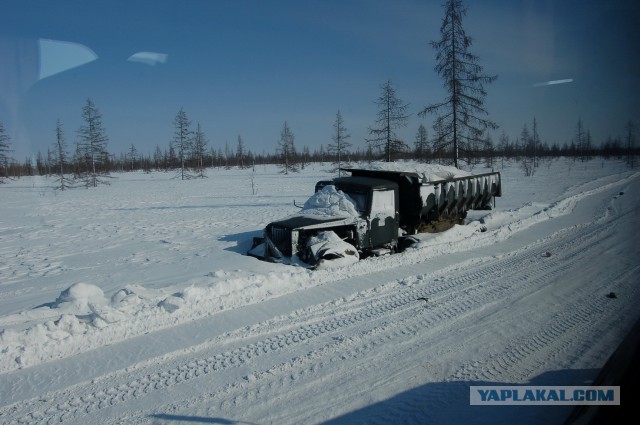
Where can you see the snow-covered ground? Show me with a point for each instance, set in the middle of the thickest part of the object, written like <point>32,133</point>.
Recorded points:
<point>134,303</point>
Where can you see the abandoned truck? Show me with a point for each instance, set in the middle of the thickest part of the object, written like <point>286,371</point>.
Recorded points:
<point>372,212</point>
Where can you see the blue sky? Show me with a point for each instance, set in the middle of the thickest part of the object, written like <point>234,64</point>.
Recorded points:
<point>245,67</point>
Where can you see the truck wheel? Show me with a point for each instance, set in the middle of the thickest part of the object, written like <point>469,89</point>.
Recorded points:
<point>406,242</point>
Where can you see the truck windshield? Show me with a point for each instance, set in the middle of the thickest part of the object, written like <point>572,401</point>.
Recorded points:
<point>359,199</point>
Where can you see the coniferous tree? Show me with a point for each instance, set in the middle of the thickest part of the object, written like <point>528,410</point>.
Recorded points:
<point>182,138</point>
<point>582,141</point>
<point>133,156</point>
<point>92,147</point>
<point>534,147</point>
<point>340,145</point>
<point>461,115</point>
<point>630,142</point>
<point>439,143</point>
<point>240,154</point>
<point>503,147</point>
<point>391,116</point>
<point>199,151</point>
<point>157,158</point>
<point>172,158</point>
<point>527,160</point>
<point>287,150</point>
<point>422,144</point>
<point>5,149</point>
<point>489,152</point>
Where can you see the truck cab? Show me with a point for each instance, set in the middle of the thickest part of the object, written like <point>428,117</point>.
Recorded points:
<point>377,200</point>
<point>372,227</point>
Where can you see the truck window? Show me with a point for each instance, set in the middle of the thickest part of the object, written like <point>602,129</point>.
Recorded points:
<point>359,199</point>
<point>383,203</point>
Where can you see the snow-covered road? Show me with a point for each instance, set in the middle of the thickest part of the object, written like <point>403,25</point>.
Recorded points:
<point>523,302</point>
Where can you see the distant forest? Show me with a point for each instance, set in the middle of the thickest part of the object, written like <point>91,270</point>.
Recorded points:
<point>526,150</point>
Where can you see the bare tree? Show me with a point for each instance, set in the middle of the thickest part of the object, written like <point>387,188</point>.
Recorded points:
<point>287,150</point>
<point>340,146</point>
<point>62,156</point>
<point>391,116</point>
<point>92,146</point>
<point>461,114</point>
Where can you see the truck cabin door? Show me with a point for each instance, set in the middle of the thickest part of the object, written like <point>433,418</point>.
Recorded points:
<point>383,217</point>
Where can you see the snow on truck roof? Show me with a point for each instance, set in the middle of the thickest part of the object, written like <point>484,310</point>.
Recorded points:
<point>430,172</point>
<point>330,202</point>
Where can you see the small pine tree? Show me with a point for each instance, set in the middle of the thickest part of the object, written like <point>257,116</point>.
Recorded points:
<point>198,152</point>
<point>340,146</point>
<point>287,150</point>
<point>133,156</point>
<point>240,153</point>
<point>92,147</point>
<point>527,161</point>
<point>5,149</point>
<point>182,138</point>
<point>422,144</point>
<point>391,116</point>
<point>630,141</point>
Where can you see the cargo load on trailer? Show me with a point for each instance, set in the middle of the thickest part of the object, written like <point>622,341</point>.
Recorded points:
<point>374,212</point>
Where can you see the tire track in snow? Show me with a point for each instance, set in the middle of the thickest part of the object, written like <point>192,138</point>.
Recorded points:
<point>520,351</point>
<point>68,404</point>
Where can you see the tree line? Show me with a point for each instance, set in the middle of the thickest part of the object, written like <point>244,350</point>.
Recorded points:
<point>461,132</point>
<point>89,164</point>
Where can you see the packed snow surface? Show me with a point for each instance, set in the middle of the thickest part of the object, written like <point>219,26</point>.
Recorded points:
<point>135,303</point>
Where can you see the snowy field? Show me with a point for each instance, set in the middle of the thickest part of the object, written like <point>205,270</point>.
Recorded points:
<point>134,303</point>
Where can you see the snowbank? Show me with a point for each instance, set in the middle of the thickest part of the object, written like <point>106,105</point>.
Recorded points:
<point>80,296</point>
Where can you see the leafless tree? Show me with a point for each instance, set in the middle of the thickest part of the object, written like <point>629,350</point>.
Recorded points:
<point>60,149</point>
